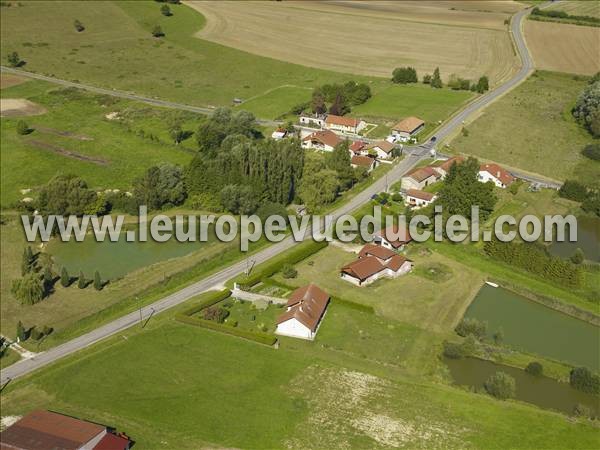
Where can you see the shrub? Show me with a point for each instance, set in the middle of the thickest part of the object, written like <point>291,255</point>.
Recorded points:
<point>288,271</point>
<point>404,75</point>
<point>573,190</point>
<point>165,10</point>
<point>262,338</point>
<point>232,323</point>
<point>534,368</point>
<point>501,385</point>
<point>578,257</point>
<point>28,290</point>
<point>215,313</point>
<point>453,350</point>
<point>23,128</point>
<point>581,410</point>
<point>81,282</point>
<point>471,326</point>
<point>592,151</point>
<point>581,378</point>
<point>157,31</point>
<point>65,279</point>
<point>78,26</point>
<point>13,59</point>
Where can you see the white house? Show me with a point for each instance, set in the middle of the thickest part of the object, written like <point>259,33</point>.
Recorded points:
<point>420,178</point>
<point>314,121</point>
<point>407,128</point>
<point>419,199</point>
<point>358,148</point>
<point>344,124</point>
<point>382,149</point>
<point>392,238</point>
<point>373,263</point>
<point>305,310</point>
<point>363,161</point>
<point>279,134</point>
<point>496,174</point>
<point>324,140</point>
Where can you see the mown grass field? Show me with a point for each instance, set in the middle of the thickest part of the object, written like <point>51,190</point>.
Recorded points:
<point>531,128</point>
<point>177,386</point>
<point>117,153</point>
<point>116,50</point>
<point>370,38</point>
<point>578,8</point>
<point>574,48</point>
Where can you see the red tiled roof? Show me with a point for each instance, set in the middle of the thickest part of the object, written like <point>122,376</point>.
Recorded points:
<point>422,173</point>
<point>445,165</point>
<point>417,193</point>
<point>357,146</point>
<point>364,161</point>
<point>112,442</point>
<point>498,172</point>
<point>408,125</point>
<point>396,262</point>
<point>376,250</point>
<point>325,137</point>
<point>342,121</point>
<point>307,305</point>
<point>395,236</point>
<point>363,268</point>
<point>45,429</point>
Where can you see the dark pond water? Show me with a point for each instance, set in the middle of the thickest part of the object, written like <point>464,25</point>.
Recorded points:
<point>535,328</point>
<point>541,391</point>
<point>588,239</point>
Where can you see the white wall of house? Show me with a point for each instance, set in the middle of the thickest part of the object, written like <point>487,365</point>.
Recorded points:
<point>294,328</point>
<point>315,121</point>
<point>485,176</point>
<point>381,154</point>
<point>416,202</point>
<point>385,243</point>
<point>347,129</point>
<point>317,146</point>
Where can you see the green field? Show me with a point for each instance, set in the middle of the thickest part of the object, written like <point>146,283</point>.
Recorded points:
<point>531,128</point>
<point>116,50</point>
<point>197,388</point>
<point>277,102</point>
<point>399,101</point>
<point>578,7</point>
<point>120,152</point>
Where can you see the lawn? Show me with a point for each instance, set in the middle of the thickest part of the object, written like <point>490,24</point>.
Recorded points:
<point>178,386</point>
<point>277,102</point>
<point>252,316</point>
<point>531,128</point>
<point>107,154</point>
<point>399,101</point>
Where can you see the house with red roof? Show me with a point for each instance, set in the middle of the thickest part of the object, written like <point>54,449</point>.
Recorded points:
<point>344,124</point>
<point>374,262</point>
<point>393,238</point>
<point>381,149</point>
<point>496,174</point>
<point>419,199</point>
<point>407,128</point>
<point>323,140</point>
<point>443,166</point>
<point>420,178</point>
<point>358,148</point>
<point>363,161</point>
<point>305,310</point>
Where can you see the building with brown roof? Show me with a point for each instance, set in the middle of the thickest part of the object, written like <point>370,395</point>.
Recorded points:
<point>344,124</point>
<point>419,199</point>
<point>407,128</point>
<point>443,166</point>
<point>41,430</point>
<point>363,161</point>
<point>305,310</point>
<point>324,140</point>
<point>393,238</point>
<point>496,174</point>
<point>420,177</point>
<point>358,148</point>
<point>382,149</point>
<point>373,263</point>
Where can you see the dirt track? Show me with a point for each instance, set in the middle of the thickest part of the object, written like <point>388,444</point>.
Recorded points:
<point>370,38</point>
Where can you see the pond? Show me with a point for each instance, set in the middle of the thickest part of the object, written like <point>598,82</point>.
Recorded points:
<point>588,239</point>
<point>541,391</point>
<point>535,328</point>
<point>115,259</point>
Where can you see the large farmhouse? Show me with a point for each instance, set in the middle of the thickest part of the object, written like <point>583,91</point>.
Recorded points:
<point>420,178</point>
<point>496,174</point>
<point>392,238</point>
<point>373,263</point>
<point>344,124</point>
<point>407,128</point>
<point>49,430</point>
<point>324,140</point>
<point>305,310</point>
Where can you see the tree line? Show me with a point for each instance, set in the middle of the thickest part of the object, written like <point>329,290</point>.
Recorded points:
<point>405,75</point>
<point>337,99</point>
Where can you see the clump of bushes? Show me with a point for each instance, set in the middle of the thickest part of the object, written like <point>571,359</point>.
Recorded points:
<point>534,368</point>
<point>582,379</point>
<point>501,385</point>
<point>288,271</point>
<point>472,327</point>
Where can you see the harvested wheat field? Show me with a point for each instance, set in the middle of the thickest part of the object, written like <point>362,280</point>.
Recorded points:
<point>564,47</point>
<point>16,107</point>
<point>8,80</point>
<point>579,8</point>
<point>469,39</point>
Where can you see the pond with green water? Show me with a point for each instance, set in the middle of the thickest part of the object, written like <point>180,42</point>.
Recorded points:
<point>539,390</point>
<point>588,239</point>
<point>535,328</point>
<point>115,259</point>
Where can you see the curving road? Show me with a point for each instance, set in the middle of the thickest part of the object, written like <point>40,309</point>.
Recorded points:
<point>415,155</point>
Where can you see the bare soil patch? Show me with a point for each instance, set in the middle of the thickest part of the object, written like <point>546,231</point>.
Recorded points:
<point>68,153</point>
<point>18,107</point>
<point>7,80</point>
<point>370,37</point>
<point>564,47</point>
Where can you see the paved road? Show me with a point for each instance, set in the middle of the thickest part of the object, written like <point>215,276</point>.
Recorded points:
<point>415,154</point>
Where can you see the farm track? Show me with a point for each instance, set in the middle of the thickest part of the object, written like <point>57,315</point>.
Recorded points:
<point>415,155</point>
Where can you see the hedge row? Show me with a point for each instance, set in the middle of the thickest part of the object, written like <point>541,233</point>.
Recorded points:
<point>353,305</point>
<point>261,338</point>
<point>209,299</point>
<point>274,265</point>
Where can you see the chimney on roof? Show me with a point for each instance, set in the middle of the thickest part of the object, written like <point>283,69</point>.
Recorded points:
<point>498,174</point>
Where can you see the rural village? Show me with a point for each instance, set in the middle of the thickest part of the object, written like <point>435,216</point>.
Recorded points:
<point>263,109</point>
